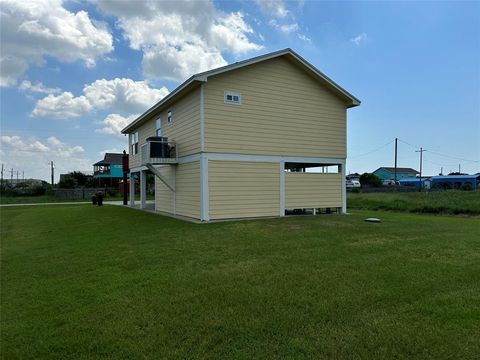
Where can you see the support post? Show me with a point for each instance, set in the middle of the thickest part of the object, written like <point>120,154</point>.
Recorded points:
<point>344,189</point>
<point>204,206</point>
<point>282,188</point>
<point>132,189</point>
<point>143,189</point>
<point>125,172</point>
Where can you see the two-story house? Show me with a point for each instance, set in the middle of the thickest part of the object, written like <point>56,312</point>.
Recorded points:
<point>237,141</point>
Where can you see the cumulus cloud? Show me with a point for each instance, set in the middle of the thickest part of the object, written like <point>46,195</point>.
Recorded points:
<point>114,123</point>
<point>119,95</point>
<point>180,38</point>
<point>357,40</point>
<point>64,105</point>
<point>275,8</point>
<point>26,85</point>
<point>33,29</point>
<point>33,155</point>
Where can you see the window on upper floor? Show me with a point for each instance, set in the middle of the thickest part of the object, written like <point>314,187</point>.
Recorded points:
<point>232,98</point>
<point>134,143</point>
<point>169,117</point>
<point>158,127</point>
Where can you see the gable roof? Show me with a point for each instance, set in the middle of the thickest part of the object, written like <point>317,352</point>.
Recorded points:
<point>110,159</point>
<point>399,170</point>
<point>202,77</point>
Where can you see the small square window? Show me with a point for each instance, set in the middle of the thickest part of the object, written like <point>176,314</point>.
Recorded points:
<point>169,117</point>
<point>232,98</point>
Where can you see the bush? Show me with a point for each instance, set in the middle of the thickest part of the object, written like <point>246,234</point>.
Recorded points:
<point>369,179</point>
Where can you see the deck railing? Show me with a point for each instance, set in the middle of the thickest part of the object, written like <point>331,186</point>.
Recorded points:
<point>159,152</point>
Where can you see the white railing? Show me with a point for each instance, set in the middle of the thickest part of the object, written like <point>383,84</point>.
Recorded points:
<point>159,152</point>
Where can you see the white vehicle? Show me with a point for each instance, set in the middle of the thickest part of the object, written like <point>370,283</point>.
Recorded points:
<point>352,184</point>
<point>388,182</point>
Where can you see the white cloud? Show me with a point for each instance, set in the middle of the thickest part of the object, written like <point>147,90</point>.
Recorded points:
<point>180,38</point>
<point>33,156</point>
<point>304,38</point>
<point>119,95</point>
<point>64,105</point>
<point>114,123</point>
<point>285,28</point>
<point>275,8</point>
<point>359,39</point>
<point>33,29</point>
<point>112,150</point>
<point>26,85</point>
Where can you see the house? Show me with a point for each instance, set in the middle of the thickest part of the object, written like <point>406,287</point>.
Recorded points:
<point>109,171</point>
<point>415,182</point>
<point>237,141</point>
<point>388,173</point>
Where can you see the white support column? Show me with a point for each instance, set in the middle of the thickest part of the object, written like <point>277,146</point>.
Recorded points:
<point>282,188</point>
<point>132,189</point>
<point>202,118</point>
<point>143,189</point>
<point>344,188</point>
<point>204,207</point>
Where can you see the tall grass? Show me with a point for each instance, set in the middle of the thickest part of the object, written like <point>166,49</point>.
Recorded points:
<point>439,202</point>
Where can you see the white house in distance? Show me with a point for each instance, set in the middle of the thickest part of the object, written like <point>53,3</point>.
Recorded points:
<point>236,142</point>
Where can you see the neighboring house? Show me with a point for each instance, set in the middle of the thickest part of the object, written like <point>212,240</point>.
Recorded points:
<point>235,142</point>
<point>109,171</point>
<point>388,173</point>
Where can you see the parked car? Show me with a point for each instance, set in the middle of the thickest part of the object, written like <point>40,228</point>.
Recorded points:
<point>388,182</point>
<point>352,184</point>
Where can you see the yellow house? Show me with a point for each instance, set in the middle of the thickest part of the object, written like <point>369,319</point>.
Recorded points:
<point>237,141</point>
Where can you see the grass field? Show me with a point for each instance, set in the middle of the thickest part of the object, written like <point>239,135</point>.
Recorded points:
<point>84,282</point>
<point>55,199</point>
<point>435,202</point>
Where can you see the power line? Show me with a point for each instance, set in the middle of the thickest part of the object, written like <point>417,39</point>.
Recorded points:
<point>372,151</point>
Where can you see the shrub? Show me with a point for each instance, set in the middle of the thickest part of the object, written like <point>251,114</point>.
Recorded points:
<point>370,179</point>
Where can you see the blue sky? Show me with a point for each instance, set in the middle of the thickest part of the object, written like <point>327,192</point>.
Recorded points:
<point>73,73</point>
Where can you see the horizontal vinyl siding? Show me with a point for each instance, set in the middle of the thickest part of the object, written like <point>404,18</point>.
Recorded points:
<point>313,190</point>
<point>186,178</point>
<point>243,189</point>
<point>144,131</point>
<point>188,189</point>
<point>185,129</point>
<point>283,112</point>
<point>163,195</point>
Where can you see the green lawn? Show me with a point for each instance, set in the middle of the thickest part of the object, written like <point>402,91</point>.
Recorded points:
<point>436,202</point>
<point>55,199</point>
<point>84,282</point>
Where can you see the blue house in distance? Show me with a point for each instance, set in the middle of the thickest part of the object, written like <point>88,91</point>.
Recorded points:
<point>109,171</point>
<point>388,173</point>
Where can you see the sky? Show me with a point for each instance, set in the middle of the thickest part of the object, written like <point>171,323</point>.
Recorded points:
<point>74,73</point>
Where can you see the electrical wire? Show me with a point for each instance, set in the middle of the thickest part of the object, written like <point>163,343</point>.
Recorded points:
<point>372,151</point>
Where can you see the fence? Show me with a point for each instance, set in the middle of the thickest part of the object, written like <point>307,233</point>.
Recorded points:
<point>81,193</point>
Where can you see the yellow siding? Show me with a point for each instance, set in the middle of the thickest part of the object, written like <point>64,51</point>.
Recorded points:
<point>186,178</point>
<point>185,129</point>
<point>283,111</point>
<point>313,190</point>
<point>243,189</point>
<point>163,195</point>
<point>144,131</point>
<point>188,189</point>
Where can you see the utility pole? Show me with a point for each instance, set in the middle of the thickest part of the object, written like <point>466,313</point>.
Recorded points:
<point>421,153</point>
<point>23,176</point>
<point>459,169</point>
<point>396,141</point>
<point>441,170</point>
<point>17,178</point>
<point>1,181</point>
<point>52,171</point>
<point>11,176</point>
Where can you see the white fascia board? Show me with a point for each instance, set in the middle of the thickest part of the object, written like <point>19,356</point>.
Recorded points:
<point>273,158</point>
